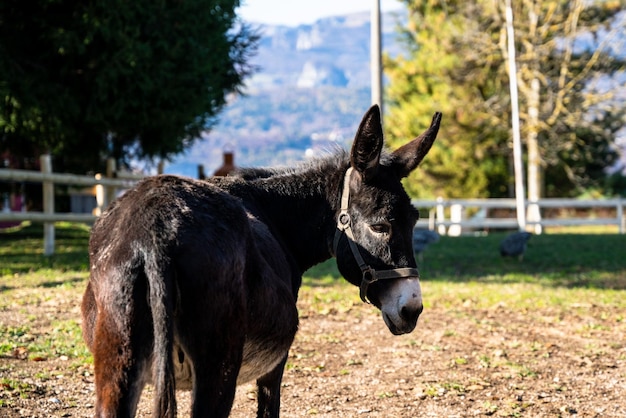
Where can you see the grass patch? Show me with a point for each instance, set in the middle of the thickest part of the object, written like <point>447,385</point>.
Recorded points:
<point>571,272</point>
<point>17,387</point>
<point>21,249</point>
<point>551,260</point>
<point>63,339</point>
<point>31,281</point>
<point>561,271</point>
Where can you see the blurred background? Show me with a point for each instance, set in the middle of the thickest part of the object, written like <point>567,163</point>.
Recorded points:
<point>169,87</point>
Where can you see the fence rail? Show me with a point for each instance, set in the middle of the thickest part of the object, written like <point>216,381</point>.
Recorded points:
<point>450,217</point>
<point>71,179</point>
<point>105,190</point>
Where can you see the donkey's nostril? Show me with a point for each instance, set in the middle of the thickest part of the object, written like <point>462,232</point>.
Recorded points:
<point>411,313</point>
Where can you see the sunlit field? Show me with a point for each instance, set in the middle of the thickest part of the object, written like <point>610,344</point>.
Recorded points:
<point>541,336</point>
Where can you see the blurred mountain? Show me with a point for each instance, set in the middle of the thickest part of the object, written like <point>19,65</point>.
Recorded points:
<point>308,95</point>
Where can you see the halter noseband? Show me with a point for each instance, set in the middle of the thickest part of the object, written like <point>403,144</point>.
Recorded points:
<point>370,275</point>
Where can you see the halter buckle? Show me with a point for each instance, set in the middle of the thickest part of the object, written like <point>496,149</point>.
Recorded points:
<point>369,277</point>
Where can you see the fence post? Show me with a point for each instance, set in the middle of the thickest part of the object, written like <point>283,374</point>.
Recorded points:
<point>620,216</point>
<point>99,193</point>
<point>533,216</point>
<point>432,221</point>
<point>110,191</point>
<point>441,216</point>
<point>48,205</point>
<point>456,216</point>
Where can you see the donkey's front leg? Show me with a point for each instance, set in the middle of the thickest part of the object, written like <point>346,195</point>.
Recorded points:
<point>269,392</point>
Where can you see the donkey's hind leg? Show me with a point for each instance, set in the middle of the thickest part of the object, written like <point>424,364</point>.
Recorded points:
<point>215,384</point>
<point>121,351</point>
<point>215,360</point>
<point>269,392</point>
<point>210,328</point>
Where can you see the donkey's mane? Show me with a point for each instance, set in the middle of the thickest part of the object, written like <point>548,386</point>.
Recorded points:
<point>322,164</point>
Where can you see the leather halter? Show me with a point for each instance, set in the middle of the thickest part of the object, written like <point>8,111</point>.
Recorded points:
<point>370,275</point>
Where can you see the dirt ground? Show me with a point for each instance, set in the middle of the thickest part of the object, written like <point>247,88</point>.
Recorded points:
<point>460,362</point>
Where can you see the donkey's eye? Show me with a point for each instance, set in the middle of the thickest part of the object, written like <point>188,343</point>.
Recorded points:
<point>381,228</point>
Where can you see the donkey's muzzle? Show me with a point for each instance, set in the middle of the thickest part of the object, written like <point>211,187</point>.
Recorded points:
<point>401,305</point>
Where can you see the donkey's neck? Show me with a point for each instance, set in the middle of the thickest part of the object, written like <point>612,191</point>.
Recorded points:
<point>299,208</point>
<point>303,214</point>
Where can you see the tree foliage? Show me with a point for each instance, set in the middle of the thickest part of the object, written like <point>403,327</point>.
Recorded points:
<point>456,63</point>
<point>140,79</point>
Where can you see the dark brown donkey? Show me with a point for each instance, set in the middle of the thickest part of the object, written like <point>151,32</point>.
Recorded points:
<point>194,283</point>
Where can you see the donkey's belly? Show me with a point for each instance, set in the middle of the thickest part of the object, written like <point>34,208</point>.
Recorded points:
<point>260,358</point>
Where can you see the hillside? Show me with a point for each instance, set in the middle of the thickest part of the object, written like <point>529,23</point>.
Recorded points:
<point>310,91</point>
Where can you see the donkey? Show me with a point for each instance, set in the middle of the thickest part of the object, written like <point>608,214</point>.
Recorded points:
<point>193,284</point>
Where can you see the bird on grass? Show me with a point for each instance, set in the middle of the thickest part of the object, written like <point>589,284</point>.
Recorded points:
<point>421,239</point>
<point>514,245</point>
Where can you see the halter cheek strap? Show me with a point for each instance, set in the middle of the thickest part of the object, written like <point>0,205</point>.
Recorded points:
<point>370,275</point>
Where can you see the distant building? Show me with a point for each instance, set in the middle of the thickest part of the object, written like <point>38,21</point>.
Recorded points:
<point>228,165</point>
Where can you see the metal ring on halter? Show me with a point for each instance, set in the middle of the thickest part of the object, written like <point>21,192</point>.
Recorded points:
<point>370,275</point>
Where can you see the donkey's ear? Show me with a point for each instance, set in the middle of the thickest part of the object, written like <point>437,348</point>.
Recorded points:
<point>406,158</point>
<point>368,144</point>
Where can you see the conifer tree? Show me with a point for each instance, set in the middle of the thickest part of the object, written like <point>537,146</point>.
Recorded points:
<point>131,80</point>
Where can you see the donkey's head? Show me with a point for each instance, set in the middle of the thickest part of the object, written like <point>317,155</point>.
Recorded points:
<point>373,243</point>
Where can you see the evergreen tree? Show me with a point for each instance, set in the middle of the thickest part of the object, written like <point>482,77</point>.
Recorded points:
<point>140,79</point>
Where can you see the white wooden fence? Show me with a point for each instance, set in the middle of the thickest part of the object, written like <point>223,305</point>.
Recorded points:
<point>457,216</point>
<point>106,188</point>
<point>451,217</point>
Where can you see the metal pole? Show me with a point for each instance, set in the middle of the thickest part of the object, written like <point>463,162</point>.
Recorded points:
<point>517,142</point>
<point>375,56</point>
<point>45,162</point>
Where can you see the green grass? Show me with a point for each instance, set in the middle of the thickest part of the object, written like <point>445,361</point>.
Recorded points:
<point>21,249</point>
<point>552,260</point>
<point>28,278</point>
<point>563,260</point>
<point>558,269</point>
<point>63,339</point>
